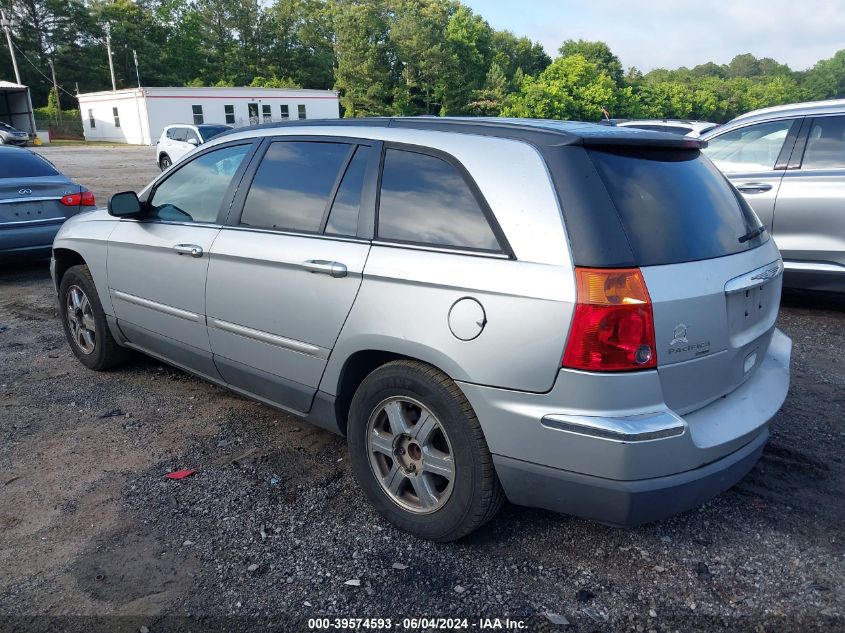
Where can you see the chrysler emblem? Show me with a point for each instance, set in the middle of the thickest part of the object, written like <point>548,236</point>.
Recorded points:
<point>679,334</point>
<point>25,192</point>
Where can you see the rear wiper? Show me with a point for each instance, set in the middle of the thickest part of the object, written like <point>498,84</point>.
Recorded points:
<point>752,234</point>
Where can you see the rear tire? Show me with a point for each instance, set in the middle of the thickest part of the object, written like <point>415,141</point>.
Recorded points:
<point>164,162</point>
<point>84,321</point>
<point>418,451</point>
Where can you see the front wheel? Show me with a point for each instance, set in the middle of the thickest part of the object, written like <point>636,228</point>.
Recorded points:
<point>164,162</point>
<point>84,321</point>
<point>418,452</point>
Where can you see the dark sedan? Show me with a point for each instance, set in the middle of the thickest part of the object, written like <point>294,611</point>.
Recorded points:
<point>35,199</point>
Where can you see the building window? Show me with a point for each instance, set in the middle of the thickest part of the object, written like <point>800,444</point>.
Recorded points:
<point>266,113</point>
<point>198,119</point>
<point>301,108</point>
<point>285,112</point>
<point>91,122</point>
<point>116,117</point>
<point>230,113</point>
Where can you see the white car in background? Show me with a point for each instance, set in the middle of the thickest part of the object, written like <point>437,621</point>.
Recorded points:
<point>178,140</point>
<point>693,129</point>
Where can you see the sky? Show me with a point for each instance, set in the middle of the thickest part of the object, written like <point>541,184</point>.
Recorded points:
<point>660,34</point>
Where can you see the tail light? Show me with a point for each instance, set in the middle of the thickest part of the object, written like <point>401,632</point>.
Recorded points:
<point>84,199</point>
<point>613,325</point>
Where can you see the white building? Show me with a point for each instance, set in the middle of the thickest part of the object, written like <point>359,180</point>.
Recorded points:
<point>138,115</point>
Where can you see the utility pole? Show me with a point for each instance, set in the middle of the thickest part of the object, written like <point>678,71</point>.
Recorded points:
<point>56,88</point>
<point>137,72</point>
<point>111,61</point>
<point>7,26</point>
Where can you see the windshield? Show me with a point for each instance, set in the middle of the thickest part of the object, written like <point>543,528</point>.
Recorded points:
<point>209,131</point>
<point>675,206</point>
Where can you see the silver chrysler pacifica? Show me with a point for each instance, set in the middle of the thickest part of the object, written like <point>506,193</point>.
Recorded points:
<point>565,315</point>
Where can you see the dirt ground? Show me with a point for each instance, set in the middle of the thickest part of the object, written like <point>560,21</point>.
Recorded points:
<point>272,526</point>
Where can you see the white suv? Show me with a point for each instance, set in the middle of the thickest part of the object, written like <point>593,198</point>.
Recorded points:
<point>178,140</point>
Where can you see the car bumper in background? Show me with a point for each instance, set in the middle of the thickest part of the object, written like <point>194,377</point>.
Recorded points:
<point>28,240</point>
<point>608,448</point>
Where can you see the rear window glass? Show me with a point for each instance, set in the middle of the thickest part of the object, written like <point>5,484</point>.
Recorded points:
<point>24,164</point>
<point>675,206</point>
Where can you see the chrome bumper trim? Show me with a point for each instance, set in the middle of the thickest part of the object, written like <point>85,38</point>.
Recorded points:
<point>635,428</point>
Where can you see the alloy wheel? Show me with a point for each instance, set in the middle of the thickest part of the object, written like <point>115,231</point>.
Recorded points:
<point>410,455</point>
<point>80,319</point>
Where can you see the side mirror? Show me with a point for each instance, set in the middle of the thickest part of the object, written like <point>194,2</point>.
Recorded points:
<point>124,204</point>
<point>192,141</point>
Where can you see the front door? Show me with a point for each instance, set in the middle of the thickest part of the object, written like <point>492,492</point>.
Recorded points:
<point>157,265</point>
<point>283,276</point>
<point>749,157</point>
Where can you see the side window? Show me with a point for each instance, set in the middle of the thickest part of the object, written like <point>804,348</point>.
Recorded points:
<point>190,134</point>
<point>343,218</point>
<point>292,185</point>
<point>750,148</point>
<point>197,112</point>
<point>195,191</point>
<point>171,133</point>
<point>825,144</point>
<point>179,134</point>
<point>424,199</point>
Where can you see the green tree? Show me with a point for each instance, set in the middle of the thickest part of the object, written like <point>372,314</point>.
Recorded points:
<point>490,99</point>
<point>598,53</point>
<point>570,88</point>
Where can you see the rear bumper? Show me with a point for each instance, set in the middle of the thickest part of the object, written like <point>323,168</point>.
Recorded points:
<point>34,240</point>
<point>624,503</point>
<point>607,447</point>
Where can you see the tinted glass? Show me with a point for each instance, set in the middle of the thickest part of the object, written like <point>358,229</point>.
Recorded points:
<point>195,191</point>
<point>826,144</point>
<point>177,133</point>
<point>292,185</point>
<point>750,148</point>
<point>343,219</point>
<point>190,134</point>
<point>675,206</point>
<point>424,199</point>
<point>210,131</point>
<point>24,164</point>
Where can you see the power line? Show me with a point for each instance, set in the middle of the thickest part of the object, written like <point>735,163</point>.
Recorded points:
<point>38,70</point>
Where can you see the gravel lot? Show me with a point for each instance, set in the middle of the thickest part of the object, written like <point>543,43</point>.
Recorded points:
<point>272,526</point>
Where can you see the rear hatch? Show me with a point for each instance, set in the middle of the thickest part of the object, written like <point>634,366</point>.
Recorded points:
<point>712,273</point>
<point>31,191</point>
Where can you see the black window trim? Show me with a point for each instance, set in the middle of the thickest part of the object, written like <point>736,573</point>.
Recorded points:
<point>797,160</point>
<point>366,211</point>
<point>228,198</point>
<point>504,246</point>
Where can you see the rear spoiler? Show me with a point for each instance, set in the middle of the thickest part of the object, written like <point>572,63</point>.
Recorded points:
<point>645,140</point>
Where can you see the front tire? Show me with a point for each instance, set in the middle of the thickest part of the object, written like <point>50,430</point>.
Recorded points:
<point>164,162</point>
<point>417,450</point>
<point>84,321</point>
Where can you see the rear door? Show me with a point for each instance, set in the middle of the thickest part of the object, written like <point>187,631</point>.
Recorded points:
<point>754,158</point>
<point>286,269</point>
<point>810,215</point>
<point>712,273</point>
<point>157,265</point>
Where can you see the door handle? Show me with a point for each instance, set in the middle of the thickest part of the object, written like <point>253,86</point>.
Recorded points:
<point>194,250</point>
<point>335,269</point>
<point>754,187</point>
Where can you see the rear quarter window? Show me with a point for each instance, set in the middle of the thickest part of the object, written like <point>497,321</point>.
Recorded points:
<point>675,205</point>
